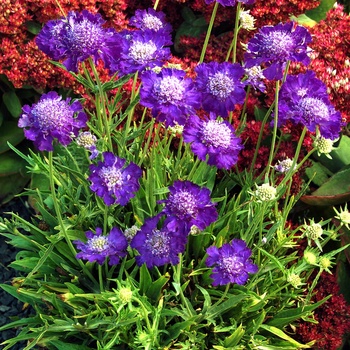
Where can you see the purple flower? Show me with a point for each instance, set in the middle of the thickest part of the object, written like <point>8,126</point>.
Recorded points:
<point>188,204</point>
<point>114,182</point>
<point>220,85</point>
<point>138,50</point>
<point>213,138</point>
<point>76,38</point>
<point>231,263</point>
<point>154,21</point>
<point>275,45</point>
<point>99,247</point>
<point>304,99</point>
<point>230,2</point>
<point>158,247</point>
<point>171,96</point>
<point>52,118</point>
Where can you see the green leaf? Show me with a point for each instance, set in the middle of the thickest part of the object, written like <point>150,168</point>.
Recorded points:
<point>154,291</point>
<point>60,345</point>
<point>319,13</point>
<point>12,103</point>
<point>33,27</point>
<point>304,20</point>
<point>10,132</point>
<point>285,317</point>
<point>318,173</point>
<point>279,333</point>
<point>334,191</point>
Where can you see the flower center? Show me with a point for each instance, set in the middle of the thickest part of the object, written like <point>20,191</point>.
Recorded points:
<point>152,22</point>
<point>98,243</point>
<point>216,134</point>
<point>142,52</point>
<point>85,36</point>
<point>159,243</point>
<point>278,43</point>
<point>51,114</point>
<point>111,176</point>
<point>313,109</point>
<point>232,265</point>
<point>183,204</point>
<point>220,85</point>
<point>170,89</point>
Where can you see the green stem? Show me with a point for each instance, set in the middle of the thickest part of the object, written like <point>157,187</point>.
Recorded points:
<point>210,27</point>
<point>261,133</point>
<point>274,132</point>
<point>223,295</point>
<point>235,33</point>
<point>156,5</point>
<point>101,107</point>
<point>60,220</point>
<point>100,278</point>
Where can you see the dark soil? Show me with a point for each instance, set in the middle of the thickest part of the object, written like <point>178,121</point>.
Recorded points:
<point>10,308</point>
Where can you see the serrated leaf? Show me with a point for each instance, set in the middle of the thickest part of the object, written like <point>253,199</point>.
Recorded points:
<point>12,103</point>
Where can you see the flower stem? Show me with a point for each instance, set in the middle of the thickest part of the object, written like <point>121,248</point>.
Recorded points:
<point>274,133</point>
<point>60,220</point>
<point>235,33</point>
<point>210,27</point>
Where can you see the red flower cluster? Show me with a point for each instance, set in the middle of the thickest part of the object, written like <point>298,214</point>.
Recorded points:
<point>333,317</point>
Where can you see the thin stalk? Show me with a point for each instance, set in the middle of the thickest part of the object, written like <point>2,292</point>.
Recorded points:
<point>61,9</point>
<point>100,278</point>
<point>60,220</point>
<point>101,106</point>
<point>235,33</point>
<point>274,132</point>
<point>210,27</point>
<point>156,5</point>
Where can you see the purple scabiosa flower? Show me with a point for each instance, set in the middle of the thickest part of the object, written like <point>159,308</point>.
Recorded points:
<point>139,50</point>
<point>113,181</point>
<point>213,138</point>
<point>188,204</point>
<point>273,46</point>
<point>220,85</point>
<point>304,99</point>
<point>99,247</point>
<point>77,37</point>
<point>169,94</point>
<point>158,247</point>
<point>154,21</point>
<point>52,118</point>
<point>226,3</point>
<point>231,263</point>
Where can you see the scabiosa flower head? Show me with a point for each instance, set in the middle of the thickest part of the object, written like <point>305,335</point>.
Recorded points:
<point>220,85</point>
<point>139,50</point>
<point>76,38</point>
<point>169,94</point>
<point>99,247</point>
<point>323,145</point>
<point>275,45</point>
<point>189,204</point>
<point>344,216</point>
<point>88,141</point>
<point>265,193</point>
<point>232,263</point>
<point>154,21</point>
<point>213,138</point>
<point>247,21</point>
<point>158,247</point>
<point>255,78</point>
<point>226,3</point>
<point>304,99</point>
<point>130,232</point>
<point>113,181</point>
<point>284,165</point>
<point>294,279</point>
<point>52,118</point>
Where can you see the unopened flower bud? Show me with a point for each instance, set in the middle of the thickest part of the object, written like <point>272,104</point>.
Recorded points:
<point>265,193</point>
